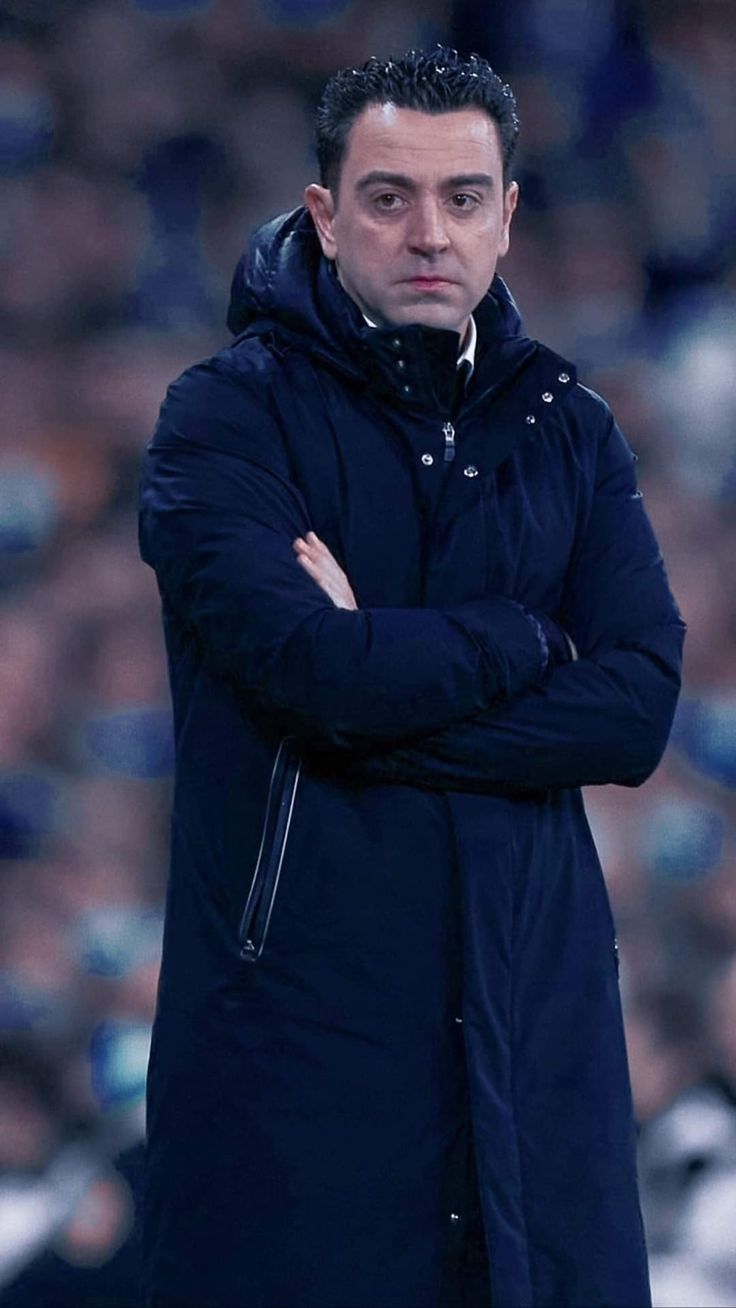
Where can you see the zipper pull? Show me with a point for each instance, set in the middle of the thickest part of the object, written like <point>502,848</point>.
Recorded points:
<point>448,431</point>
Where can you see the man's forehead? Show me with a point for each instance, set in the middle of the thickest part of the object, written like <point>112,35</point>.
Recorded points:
<point>387,138</point>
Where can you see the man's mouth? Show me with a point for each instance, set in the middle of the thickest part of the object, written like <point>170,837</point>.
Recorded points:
<point>429,283</point>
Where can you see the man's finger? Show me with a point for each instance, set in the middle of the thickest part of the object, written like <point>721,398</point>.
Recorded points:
<point>305,547</point>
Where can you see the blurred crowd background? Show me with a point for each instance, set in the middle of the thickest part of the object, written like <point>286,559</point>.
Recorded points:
<point>140,142</point>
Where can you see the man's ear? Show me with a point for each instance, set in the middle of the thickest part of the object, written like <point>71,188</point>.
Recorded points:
<point>321,205</point>
<point>510,201</point>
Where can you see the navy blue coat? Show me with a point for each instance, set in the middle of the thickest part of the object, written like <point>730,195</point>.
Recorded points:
<point>389,1039</point>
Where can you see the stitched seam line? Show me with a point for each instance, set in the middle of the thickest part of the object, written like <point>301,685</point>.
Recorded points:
<point>541,637</point>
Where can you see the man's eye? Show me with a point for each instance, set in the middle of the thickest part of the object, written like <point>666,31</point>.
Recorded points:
<point>388,200</point>
<point>464,201</point>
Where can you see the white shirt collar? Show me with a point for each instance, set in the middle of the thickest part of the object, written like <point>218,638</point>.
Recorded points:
<point>471,340</point>
<point>467,353</point>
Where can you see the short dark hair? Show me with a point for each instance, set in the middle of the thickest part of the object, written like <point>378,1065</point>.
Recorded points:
<point>433,81</point>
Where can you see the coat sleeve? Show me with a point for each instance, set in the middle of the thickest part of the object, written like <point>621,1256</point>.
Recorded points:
<point>605,717</point>
<point>218,516</point>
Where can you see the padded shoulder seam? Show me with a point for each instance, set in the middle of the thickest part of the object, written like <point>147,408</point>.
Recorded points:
<point>251,432</point>
<point>248,358</point>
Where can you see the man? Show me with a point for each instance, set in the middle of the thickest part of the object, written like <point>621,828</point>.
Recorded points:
<point>412,603</point>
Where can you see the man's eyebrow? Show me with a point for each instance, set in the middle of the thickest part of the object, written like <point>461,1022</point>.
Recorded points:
<point>380,178</point>
<point>471,179</point>
<point>384,179</point>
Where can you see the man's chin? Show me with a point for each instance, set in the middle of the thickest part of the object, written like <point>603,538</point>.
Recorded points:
<point>427,313</point>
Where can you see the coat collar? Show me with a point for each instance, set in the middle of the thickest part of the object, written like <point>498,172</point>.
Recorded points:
<point>467,354</point>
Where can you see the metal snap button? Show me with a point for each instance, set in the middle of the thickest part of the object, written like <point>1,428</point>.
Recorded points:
<point>406,388</point>
<point>547,397</point>
<point>427,460</point>
<point>530,418</point>
<point>401,364</point>
<point>471,470</point>
<point>396,342</point>
<point>564,377</point>
<point>454,1217</point>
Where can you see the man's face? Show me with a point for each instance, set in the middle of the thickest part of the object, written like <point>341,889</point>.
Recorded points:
<point>421,217</point>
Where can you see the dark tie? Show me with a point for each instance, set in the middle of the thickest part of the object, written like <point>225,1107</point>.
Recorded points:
<point>463,377</point>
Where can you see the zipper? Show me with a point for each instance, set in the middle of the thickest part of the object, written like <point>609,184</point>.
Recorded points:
<point>258,909</point>
<point>448,431</point>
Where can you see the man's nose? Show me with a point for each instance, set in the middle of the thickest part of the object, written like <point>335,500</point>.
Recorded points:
<point>428,231</point>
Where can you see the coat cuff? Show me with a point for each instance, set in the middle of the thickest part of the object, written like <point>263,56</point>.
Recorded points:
<point>556,643</point>
<point>518,647</point>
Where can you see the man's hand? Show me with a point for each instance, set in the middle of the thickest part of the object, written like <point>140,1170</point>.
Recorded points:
<point>317,560</point>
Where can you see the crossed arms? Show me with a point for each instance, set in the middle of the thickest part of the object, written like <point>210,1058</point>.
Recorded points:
<point>466,697</point>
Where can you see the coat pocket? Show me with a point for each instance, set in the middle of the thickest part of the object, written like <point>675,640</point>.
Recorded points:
<point>264,884</point>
